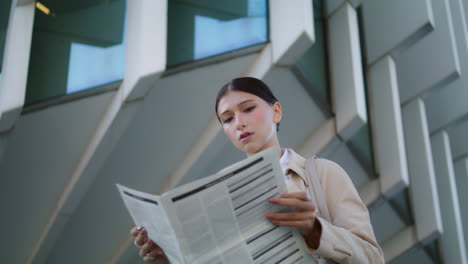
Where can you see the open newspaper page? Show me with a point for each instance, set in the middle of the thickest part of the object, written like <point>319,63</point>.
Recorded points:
<point>221,218</point>
<point>148,211</point>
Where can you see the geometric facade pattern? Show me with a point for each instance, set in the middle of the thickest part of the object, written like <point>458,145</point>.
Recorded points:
<point>380,87</point>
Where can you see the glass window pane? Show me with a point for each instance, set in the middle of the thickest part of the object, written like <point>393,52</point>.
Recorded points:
<point>311,68</point>
<point>76,45</point>
<point>360,145</point>
<point>201,28</point>
<point>5,8</point>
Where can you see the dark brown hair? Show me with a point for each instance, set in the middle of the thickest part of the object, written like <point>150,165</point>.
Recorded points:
<point>249,85</point>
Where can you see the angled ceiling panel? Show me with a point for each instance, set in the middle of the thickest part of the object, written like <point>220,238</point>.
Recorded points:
<point>42,152</point>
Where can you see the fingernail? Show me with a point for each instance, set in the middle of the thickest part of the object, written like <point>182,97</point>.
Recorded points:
<point>139,228</point>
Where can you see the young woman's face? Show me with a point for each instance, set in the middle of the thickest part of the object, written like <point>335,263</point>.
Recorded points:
<point>248,121</point>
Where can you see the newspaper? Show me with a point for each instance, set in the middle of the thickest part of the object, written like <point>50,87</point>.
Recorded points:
<point>221,218</point>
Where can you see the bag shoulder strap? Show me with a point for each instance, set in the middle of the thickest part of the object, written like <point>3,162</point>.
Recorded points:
<point>315,188</point>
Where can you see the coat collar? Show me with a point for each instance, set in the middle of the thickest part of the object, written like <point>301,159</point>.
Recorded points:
<point>296,164</point>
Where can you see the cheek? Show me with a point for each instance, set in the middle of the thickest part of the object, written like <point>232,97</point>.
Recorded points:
<point>228,131</point>
<point>262,117</point>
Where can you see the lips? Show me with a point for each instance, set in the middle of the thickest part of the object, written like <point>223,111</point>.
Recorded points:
<point>245,136</point>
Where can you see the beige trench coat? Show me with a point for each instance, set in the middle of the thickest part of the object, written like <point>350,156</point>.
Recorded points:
<point>349,238</point>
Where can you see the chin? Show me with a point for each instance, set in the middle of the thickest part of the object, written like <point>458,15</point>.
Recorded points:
<point>251,150</point>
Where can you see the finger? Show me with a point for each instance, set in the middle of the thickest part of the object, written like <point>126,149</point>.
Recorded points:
<point>292,216</point>
<point>156,251</point>
<point>149,259</point>
<point>147,247</point>
<point>159,259</point>
<point>156,260</point>
<point>136,230</point>
<point>151,248</point>
<point>298,195</point>
<point>141,238</point>
<point>294,203</point>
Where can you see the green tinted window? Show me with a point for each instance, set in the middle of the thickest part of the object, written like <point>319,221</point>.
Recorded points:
<point>5,7</point>
<point>311,69</point>
<point>76,45</point>
<point>201,28</point>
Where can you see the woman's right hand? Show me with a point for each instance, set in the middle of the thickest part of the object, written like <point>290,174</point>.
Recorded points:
<point>148,250</point>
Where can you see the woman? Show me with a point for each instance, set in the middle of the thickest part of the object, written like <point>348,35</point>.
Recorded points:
<point>250,115</point>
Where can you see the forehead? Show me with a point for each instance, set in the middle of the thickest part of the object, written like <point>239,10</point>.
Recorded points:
<point>233,98</point>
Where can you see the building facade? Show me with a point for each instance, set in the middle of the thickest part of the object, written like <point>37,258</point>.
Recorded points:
<point>99,92</point>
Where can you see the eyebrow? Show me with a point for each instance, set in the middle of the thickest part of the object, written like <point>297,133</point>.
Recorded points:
<point>241,103</point>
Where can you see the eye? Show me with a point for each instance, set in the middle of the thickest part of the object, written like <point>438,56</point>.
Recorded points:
<point>227,120</point>
<point>249,109</point>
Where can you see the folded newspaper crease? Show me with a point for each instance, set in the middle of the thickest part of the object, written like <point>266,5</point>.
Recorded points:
<point>221,218</point>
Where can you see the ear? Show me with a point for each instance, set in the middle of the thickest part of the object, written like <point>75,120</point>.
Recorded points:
<point>277,112</point>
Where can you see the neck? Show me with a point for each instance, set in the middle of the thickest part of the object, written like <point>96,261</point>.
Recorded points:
<point>275,144</point>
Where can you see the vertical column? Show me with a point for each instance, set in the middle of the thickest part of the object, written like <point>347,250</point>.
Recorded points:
<point>146,46</point>
<point>461,176</point>
<point>387,130</point>
<point>346,70</point>
<point>423,191</point>
<point>452,240</point>
<point>15,63</point>
<point>291,29</point>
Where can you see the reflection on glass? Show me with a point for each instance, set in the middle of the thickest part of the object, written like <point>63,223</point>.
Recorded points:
<point>99,65</point>
<point>312,66</point>
<point>5,6</point>
<point>360,145</point>
<point>400,202</point>
<point>199,29</point>
<point>77,45</point>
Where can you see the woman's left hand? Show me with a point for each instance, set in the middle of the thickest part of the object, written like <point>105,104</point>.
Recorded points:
<point>301,216</point>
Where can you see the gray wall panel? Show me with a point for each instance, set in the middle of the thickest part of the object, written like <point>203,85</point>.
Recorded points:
<point>343,156</point>
<point>423,192</point>
<point>389,143</point>
<point>461,176</point>
<point>355,3</point>
<point>297,107</point>
<point>431,61</point>
<point>449,103</point>
<point>385,222</point>
<point>332,5</point>
<point>388,24</point>
<point>452,240</point>
<point>346,72</point>
<point>414,255</point>
<point>459,139</point>
<point>42,153</point>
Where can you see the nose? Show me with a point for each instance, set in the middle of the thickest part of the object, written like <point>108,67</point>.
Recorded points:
<point>240,122</point>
